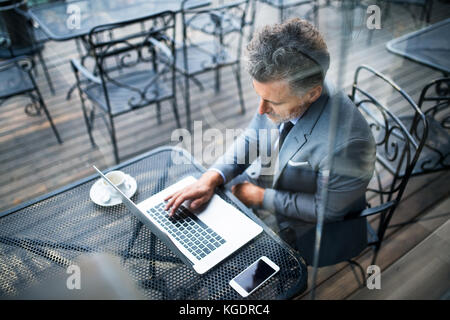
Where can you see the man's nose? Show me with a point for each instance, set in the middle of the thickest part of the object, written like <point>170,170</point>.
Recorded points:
<point>262,107</point>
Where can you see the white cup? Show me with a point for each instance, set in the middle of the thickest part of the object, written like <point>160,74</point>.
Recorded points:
<point>119,179</point>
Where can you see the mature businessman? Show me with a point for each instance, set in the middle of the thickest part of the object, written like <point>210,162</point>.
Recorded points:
<point>288,63</point>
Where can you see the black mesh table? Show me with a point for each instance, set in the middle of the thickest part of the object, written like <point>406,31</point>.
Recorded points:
<point>41,238</point>
<point>60,22</point>
<point>68,20</point>
<point>429,46</point>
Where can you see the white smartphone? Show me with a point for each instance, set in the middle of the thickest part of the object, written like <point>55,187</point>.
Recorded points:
<point>254,276</point>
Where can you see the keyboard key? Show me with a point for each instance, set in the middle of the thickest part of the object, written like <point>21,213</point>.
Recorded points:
<point>188,229</point>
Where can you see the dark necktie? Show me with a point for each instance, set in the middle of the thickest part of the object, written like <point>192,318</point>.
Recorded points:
<point>286,128</point>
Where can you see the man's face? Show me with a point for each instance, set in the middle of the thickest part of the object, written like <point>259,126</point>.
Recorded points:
<point>278,101</point>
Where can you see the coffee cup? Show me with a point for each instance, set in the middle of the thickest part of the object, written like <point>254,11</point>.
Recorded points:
<point>118,178</point>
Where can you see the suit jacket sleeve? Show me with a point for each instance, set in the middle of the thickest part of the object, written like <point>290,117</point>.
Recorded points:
<point>352,170</point>
<point>244,150</point>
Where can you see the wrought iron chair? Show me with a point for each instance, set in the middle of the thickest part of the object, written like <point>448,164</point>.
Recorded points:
<point>224,24</point>
<point>283,5</point>
<point>26,40</point>
<point>397,150</point>
<point>399,146</point>
<point>426,5</point>
<point>250,16</point>
<point>16,78</point>
<point>133,69</point>
<point>434,102</point>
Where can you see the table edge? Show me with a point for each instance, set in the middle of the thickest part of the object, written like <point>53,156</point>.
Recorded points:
<point>55,37</point>
<point>390,48</point>
<point>294,290</point>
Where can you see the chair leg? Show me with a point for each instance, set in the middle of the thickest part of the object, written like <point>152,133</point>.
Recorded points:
<point>429,6</point>
<point>89,121</point>
<point>239,87</point>
<point>114,140</point>
<point>217,80</point>
<point>175,111</point>
<point>360,268</point>
<point>44,107</point>
<point>369,37</point>
<point>375,254</point>
<point>47,75</point>
<point>252,24</point>
<point>187,102</point>
<point>78,46</point>
<point>158,112</point>
<point>316,14</point>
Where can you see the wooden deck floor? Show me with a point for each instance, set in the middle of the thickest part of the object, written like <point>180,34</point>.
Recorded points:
<point>32,163</point>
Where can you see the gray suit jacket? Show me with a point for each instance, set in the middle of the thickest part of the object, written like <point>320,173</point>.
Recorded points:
<point>294,185</point>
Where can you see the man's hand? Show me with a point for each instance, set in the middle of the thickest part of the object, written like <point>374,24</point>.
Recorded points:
<point>250,194</point>
<point>200,192</point>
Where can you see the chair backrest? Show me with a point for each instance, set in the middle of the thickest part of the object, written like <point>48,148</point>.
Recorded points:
<point>15,25</point>
<point>434,102</point>
<point>15,77</point>
<point>15,73</point>
<point>398,144</point>
<point>141,45</point>
<point>225,23</point>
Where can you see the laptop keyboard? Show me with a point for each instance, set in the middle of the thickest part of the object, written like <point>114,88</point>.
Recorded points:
<point>188,229</point>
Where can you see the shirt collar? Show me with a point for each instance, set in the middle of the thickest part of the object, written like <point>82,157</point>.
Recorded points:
<point>293,121</point>
<point>326,91</point>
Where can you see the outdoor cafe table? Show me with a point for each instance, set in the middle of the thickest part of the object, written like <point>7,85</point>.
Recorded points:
<point>429,46</point>
<point>41,238</point>
<point>53,17</point>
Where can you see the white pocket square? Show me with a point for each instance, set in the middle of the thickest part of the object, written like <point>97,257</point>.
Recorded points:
<point>298,164</point>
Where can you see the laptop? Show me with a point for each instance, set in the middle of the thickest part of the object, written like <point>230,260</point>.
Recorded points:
<point>201,239</point>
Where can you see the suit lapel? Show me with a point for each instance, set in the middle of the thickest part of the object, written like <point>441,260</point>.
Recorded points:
<point>300,133</point>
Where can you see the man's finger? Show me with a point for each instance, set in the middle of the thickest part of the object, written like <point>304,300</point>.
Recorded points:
<point>172,198</point>
<point>178,203</point>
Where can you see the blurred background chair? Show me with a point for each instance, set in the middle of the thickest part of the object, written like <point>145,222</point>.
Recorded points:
<point>132,69</point>
<point>222,26</point>
<point>399,146</point>
<point>16,78</point>
<point>283,5</point>
<point>425,7</point>
<point>434,102</point>
<point>24,37</point>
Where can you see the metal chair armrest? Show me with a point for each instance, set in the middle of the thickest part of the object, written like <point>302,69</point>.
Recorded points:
<point>25,62</point>
<point>78,67</point>
<point>163,48</point>
<point>378,209</point>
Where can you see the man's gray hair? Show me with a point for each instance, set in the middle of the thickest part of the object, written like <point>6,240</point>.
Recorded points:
<point>294,51</point>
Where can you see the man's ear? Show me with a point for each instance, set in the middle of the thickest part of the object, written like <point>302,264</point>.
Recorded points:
<point>314,93</point>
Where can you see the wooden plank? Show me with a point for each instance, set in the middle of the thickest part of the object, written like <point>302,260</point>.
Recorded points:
<point>423,272</point>
<point>414,187</point>
<point>342,283</point>
<point>25,152</point>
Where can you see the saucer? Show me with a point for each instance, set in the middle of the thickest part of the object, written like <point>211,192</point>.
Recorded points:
<point>100,195</point>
